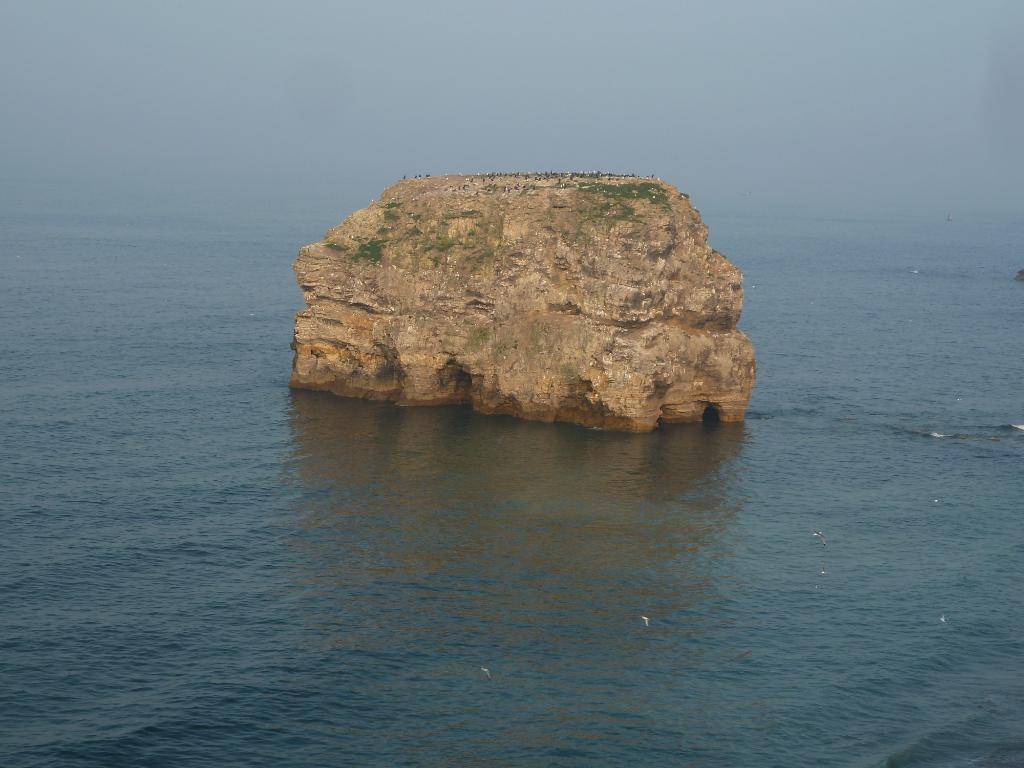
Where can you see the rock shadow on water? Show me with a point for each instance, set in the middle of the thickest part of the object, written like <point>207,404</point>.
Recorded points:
<point>454,525</point>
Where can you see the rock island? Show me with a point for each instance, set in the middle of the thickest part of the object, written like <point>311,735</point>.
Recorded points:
<point>587,298</point>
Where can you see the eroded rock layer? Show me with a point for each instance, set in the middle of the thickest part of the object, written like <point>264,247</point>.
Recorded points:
<point>592,299</point>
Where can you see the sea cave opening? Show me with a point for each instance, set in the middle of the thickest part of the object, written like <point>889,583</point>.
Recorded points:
<point>456,380</point>
<point>711,415</point>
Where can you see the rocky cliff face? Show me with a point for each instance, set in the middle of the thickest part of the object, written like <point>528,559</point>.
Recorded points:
<point>590,299</point>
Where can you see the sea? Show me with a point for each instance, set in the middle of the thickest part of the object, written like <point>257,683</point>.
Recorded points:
<point>201,567</point>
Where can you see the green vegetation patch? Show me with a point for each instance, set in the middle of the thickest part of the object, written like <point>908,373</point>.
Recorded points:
<point>334,246</point>
<point>443,243</point>
<point>369,250</point>
<point>641,190</point>
<point>612,203</point>
<point>608,210</point>
<point>478,337</point>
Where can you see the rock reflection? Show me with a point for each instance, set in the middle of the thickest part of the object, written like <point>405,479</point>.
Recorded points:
<point>437,528</point>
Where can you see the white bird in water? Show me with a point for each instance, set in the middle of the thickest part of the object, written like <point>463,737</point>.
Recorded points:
<point>942,618</point>
<point>647,621</point>
<point>823,571</point>
<point>487,672</point>
<point>819,535</point>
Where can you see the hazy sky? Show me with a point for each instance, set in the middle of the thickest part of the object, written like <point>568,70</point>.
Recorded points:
<point>824,106</point>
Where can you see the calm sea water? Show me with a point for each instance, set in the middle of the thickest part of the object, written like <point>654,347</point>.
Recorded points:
<point>202,568</point>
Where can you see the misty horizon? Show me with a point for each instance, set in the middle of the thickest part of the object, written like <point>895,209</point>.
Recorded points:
<point>851,109</point>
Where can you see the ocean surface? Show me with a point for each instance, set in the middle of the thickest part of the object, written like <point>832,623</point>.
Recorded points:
<point>202,568</point>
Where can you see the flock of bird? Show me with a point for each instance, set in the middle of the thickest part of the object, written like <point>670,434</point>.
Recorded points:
<point>820,537</point>
<point>546,175</point>
<point>816,533</point>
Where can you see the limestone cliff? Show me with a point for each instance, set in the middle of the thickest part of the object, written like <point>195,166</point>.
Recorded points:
<point>593,299</point>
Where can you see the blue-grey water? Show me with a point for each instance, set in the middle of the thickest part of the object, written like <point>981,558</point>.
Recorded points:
<point>202,568</point>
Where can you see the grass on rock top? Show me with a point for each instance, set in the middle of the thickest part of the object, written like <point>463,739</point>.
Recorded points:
<point>642,190</point>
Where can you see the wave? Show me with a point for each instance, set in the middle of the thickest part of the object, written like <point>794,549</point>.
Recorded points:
<point>965,434</point>
<point>937,435</point>
<point>988,736</point>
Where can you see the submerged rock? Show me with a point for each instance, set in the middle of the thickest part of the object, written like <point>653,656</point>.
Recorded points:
<point>591,299</point>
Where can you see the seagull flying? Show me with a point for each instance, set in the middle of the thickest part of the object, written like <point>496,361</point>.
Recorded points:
<point>647,621</point>
<point>487,672</point>
<point>942,618</point>
<point>818,534</point>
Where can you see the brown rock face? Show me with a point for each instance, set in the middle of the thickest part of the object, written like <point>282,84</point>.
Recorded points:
<point>592,299</point>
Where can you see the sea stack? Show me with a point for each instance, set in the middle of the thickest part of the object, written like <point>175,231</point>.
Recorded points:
<point>587,298</point>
